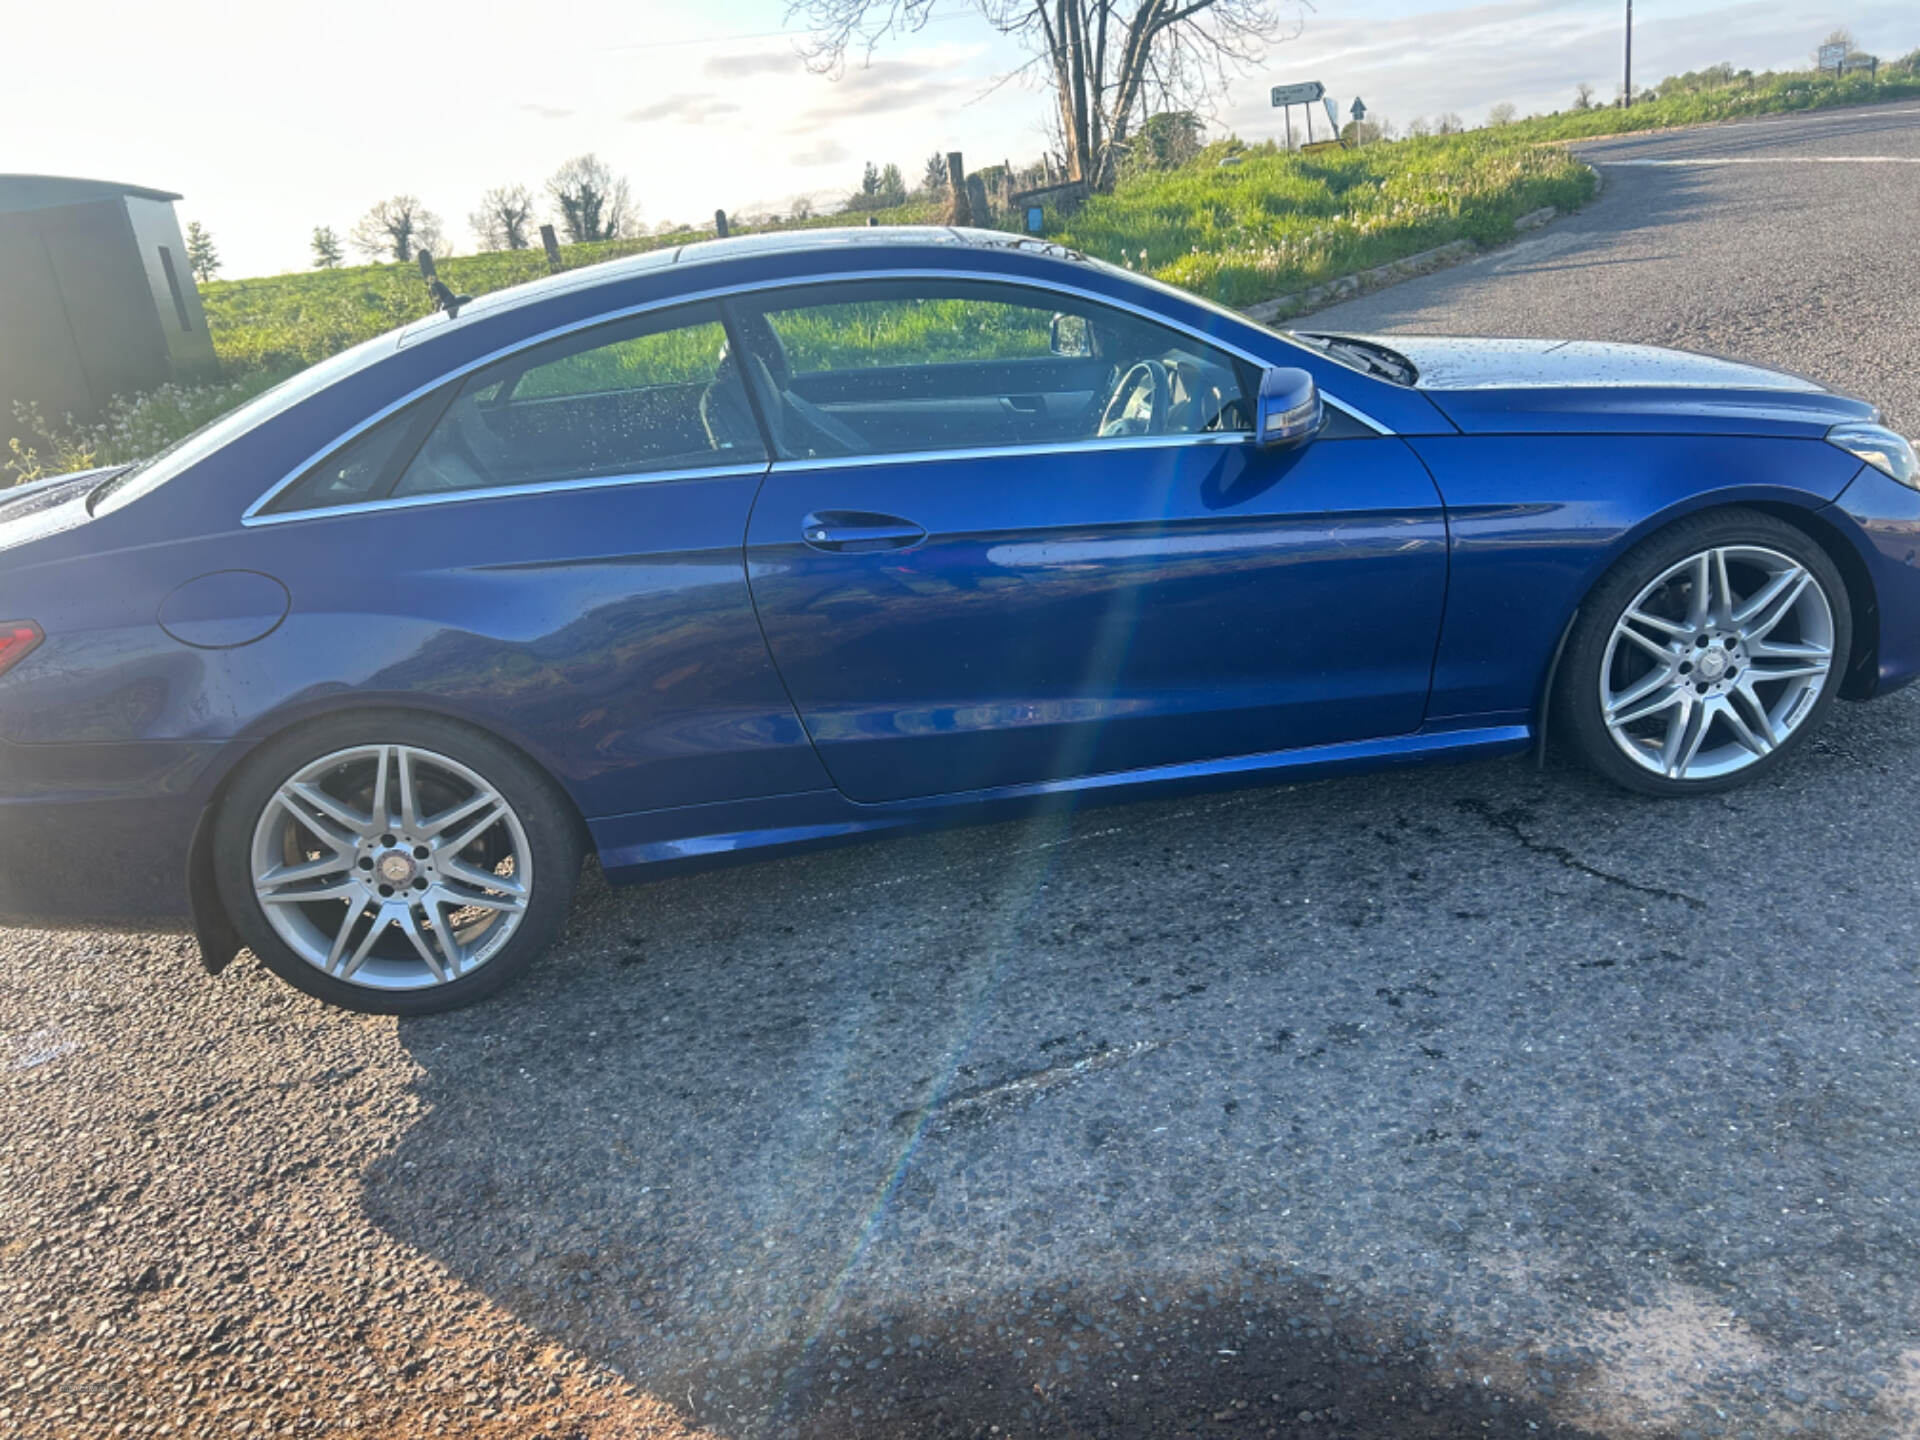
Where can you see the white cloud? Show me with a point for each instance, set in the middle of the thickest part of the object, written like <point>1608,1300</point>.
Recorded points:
<point>750,63</point>
<point>682,110</point>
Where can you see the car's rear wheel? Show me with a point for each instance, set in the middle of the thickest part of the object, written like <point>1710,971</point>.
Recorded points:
<point>395,863</point>
<point>1706,655</point>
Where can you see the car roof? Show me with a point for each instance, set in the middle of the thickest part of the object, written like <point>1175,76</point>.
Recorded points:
<point>850,240</point>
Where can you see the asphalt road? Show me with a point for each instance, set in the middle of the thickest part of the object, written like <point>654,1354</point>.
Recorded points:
<point>1469,1101</point>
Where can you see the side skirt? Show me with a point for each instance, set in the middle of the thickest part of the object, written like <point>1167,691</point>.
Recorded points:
<point>659,842</point>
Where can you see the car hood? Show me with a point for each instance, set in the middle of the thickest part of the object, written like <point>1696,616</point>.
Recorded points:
<point>1454,363</point>
<point>1487,386</point>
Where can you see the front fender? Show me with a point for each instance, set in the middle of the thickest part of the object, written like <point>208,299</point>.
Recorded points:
<point>1535,521</point>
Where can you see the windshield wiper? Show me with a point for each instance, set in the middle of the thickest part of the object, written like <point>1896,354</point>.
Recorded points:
<point>1369,355</point>
<point>110,483</point>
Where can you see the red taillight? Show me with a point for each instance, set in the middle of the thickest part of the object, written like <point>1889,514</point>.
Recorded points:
<point>18,639</point>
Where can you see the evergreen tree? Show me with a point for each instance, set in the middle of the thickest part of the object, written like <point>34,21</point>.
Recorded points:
<point>202,258</point>
<point>936,175</point>
<point>326,248</point>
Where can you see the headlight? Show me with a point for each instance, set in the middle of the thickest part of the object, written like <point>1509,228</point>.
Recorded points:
<point>1887,452</point>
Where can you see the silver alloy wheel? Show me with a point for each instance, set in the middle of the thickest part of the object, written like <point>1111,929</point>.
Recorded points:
<point>391,867</point>
<point>1716,662</point>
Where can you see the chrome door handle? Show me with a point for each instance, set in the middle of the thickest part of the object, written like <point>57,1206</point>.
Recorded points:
<point>854,530</point>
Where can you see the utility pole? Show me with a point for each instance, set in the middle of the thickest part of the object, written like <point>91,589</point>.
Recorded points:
<point>1626,98</point>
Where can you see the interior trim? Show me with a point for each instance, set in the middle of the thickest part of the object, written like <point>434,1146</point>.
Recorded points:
<point>994,452</point>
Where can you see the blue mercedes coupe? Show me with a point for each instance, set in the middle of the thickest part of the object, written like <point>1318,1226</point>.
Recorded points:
<point>799,537</point>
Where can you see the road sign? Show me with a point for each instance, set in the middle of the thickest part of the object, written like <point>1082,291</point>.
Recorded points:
<point>1303,94</point>
<point>1359,111</point>
<point>1832,57</point>
<point>1333,115</point>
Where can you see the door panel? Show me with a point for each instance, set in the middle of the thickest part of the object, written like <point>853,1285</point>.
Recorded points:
<point>903,408</point>
<point>1077,612</point>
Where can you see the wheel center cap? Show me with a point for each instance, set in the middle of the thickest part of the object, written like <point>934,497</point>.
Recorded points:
<point>395,869</point>
<point>1713,664</point>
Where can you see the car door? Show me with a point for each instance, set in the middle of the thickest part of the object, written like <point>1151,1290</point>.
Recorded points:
<point>550,545</point>
<point>1124,582</point>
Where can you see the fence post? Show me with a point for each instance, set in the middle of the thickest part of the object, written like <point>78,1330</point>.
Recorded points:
<point>720,224</point>
<point>959,211</point>
<point>977,200</point>
<point>550,242</point>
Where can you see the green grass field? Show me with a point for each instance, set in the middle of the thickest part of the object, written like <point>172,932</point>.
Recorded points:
<point>1263,223</point>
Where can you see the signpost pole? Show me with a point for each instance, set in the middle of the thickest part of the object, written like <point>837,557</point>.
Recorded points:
<point>1626,97</point>
<point>1287,110</point>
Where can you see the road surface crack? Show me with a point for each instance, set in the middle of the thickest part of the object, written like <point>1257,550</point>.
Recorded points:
<point>981,1100</point>
<point>1507,822</point>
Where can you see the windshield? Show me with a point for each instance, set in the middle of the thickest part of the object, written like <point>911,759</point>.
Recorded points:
<point>129,485</point>
<point>1379,364</point>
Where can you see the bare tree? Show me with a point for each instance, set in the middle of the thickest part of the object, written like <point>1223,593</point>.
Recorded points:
<point>397,229</point>
<point>1110,62</point>
<point>1583,96</point>
<point>1418,128</point>
<point>1501,114</point>
<point>592,202</point>
<point>504,218</point>
<point>802,207</point>
<point>1448,124</point>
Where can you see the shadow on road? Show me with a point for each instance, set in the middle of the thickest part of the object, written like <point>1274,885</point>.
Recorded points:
<point>1429,1104</point>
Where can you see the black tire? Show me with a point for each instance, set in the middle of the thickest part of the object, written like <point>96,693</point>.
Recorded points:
<point>545,819</point>
<point>1577,705</point>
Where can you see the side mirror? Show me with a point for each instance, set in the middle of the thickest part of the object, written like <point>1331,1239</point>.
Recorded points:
<point>1289,411</point>
<point>1068,336</point>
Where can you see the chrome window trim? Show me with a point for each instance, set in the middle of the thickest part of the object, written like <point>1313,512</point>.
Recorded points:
<point>252,515</point>
<point>503,492</point>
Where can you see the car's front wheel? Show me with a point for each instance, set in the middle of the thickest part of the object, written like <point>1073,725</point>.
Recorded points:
<point>395,863</point>
<point>1706,654</point>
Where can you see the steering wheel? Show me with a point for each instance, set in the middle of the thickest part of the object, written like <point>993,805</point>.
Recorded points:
<point>1139,403</point>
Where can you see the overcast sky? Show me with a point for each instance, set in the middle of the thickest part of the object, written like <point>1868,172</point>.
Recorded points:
<point>272,119</point>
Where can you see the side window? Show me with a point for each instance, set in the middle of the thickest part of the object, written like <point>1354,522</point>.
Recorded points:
<point>364,467</point>
<point>632,398</point>
<point>879,367</point>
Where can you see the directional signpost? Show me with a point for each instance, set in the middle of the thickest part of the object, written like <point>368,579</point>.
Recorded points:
<point>1305,94</point>
<point>1285,97</point>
